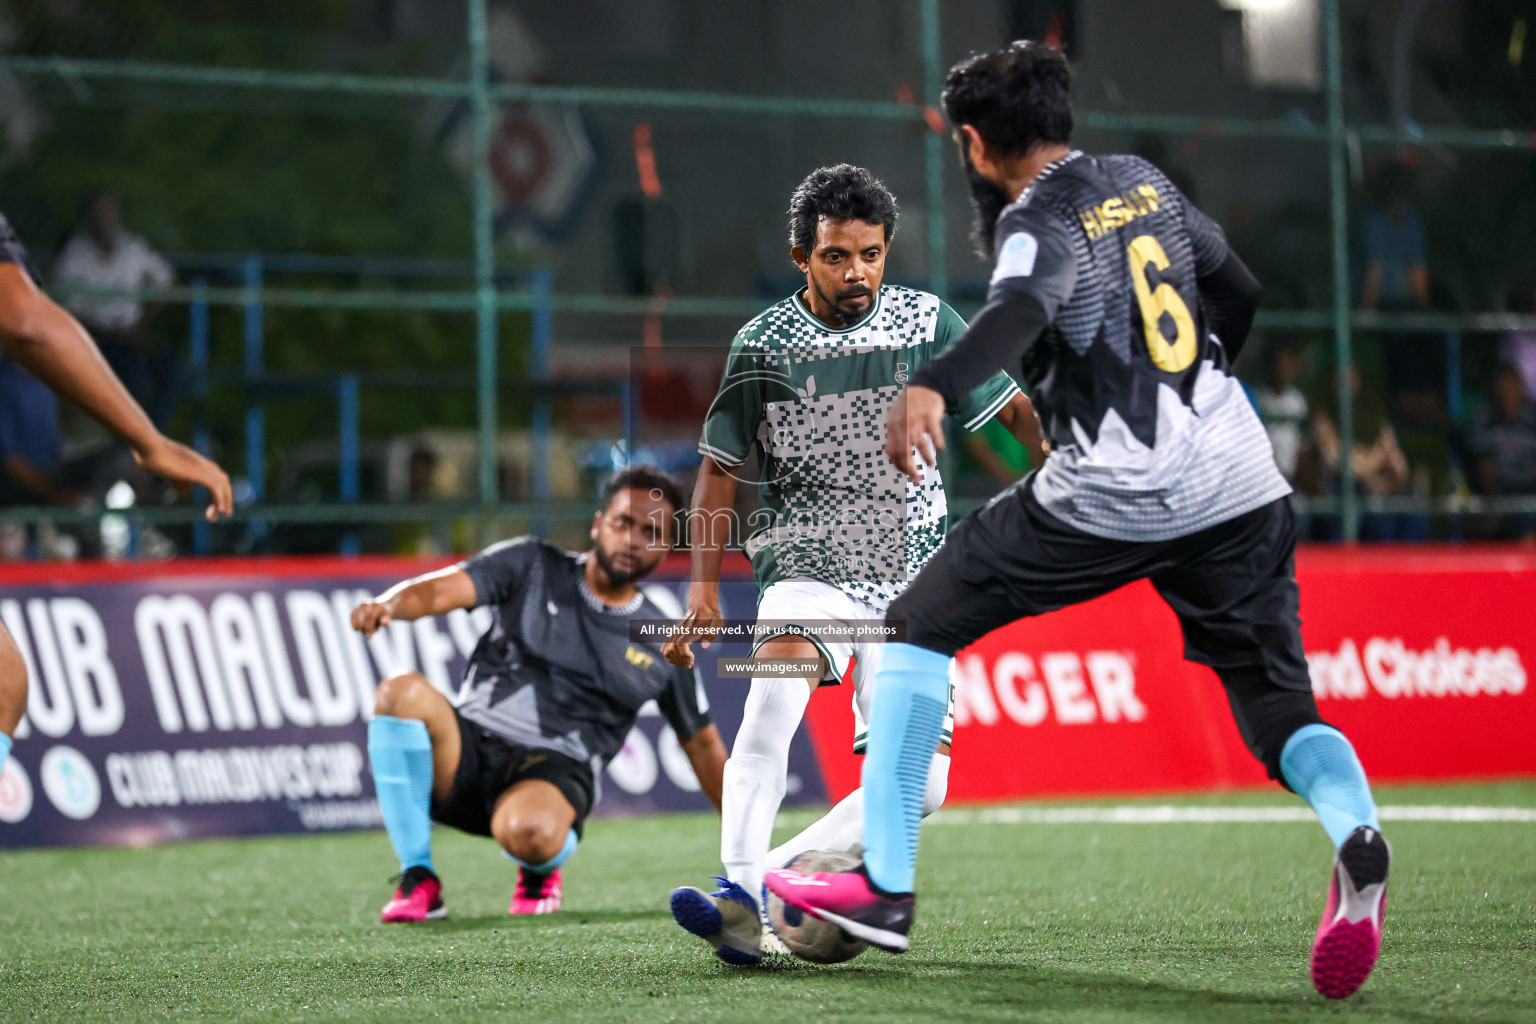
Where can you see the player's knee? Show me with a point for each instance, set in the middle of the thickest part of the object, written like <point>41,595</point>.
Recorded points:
<point>923,629</point>
<point>403,695</point>
<point>532,840</point>
<point>13,684</point>
<point>770,716</point>
<point>1267,715</point>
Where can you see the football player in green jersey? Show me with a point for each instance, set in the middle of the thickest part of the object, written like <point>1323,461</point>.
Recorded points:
<point>806,387</point>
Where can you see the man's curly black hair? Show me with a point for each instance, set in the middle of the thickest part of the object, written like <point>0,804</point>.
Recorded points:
<point>1017,98</point>
<point>648,478</point>
<point>840,192</point>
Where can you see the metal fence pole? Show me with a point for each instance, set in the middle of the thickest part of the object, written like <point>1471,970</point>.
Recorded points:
<point>198,345</point>
<point>1339,226</point>
<point>485,261</point>
<point>348,450</point>
<point>933,152</point>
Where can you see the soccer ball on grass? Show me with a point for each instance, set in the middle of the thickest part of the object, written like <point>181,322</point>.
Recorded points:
<point>811,938</point>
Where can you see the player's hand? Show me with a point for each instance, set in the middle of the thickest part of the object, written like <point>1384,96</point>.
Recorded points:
<point>186,469</point>
<point>371,616</point>
<point>914,430</point>
<point>699,626</point>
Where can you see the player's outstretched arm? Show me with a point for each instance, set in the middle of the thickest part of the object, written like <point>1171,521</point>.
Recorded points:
<point>710,523</point>
<point>436,593</point>
<point>51,345</point>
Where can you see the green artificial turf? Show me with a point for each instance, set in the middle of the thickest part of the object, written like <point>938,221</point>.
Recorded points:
<point>1076,922</point>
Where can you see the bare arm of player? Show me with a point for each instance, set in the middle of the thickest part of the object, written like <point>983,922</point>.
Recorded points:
<point>52,346</point>
<point>436,593</point>
<point>914,430</point>
<point>1018,416</point>
<point>709,530</point>
<point>706,752</point>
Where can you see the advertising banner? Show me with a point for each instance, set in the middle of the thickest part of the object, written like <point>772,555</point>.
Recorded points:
<point>223,698</point>
<point>1421,656</point>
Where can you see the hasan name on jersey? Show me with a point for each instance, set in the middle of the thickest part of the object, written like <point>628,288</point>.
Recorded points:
<point>1151,437</point>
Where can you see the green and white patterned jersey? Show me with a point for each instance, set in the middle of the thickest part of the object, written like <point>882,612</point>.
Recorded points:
<point>812,400</point>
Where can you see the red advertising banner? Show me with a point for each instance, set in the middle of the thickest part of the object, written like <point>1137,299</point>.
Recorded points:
<point>1420,655</point>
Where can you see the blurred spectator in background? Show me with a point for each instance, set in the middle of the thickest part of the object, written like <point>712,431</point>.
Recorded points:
<point>1380,468</point>
<point>1396,280</point>
<point>1392,242</point>
<point>30,445</point>
<point>1519,347</point>
<point>1282,407</point>
<point>30,442</point>
<point>103,256</point>
<point>1502,440</point>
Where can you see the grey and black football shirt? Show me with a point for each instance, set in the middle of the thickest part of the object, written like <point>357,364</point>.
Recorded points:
<point>557,670</point>
<point>1151,437</point>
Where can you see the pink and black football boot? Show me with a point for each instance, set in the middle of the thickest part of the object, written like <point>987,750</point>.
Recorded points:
<point>1349,936</point>
<point>536,893</point>
<point>419,898</point>
<point>849,900</point>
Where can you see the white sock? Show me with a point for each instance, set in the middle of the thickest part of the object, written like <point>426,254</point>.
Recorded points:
<point>755,775</point>
<point>841,829</point>
<point>938,784</point>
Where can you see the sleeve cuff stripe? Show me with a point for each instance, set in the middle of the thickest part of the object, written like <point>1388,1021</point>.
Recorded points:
<point>721,456</point>
<point>994,408</point>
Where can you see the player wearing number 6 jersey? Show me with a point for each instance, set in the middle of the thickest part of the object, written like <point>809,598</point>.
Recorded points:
<point>1122,306</point>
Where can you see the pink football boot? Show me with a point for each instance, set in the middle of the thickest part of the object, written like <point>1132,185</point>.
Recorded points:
<point>850,901</point>
<point>419,898</point>
<point>1349,936</point>
<point>535,893</point>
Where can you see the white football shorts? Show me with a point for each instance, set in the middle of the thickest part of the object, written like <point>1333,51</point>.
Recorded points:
<point>809,603</point>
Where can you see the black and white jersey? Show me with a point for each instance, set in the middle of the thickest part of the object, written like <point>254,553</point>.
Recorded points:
<point>1151,438</point>
<point>557,670</point>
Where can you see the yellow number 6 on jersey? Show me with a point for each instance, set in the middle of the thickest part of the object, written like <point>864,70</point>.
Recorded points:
<point>1177,355</point>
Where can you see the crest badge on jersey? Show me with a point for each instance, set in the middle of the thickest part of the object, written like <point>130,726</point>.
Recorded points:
<point>1017,257</point>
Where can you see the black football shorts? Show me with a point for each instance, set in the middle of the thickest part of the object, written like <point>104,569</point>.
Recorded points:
<point>489,765</point>
<point>1232,585</point>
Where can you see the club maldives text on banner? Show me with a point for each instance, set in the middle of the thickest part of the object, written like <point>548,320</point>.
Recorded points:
<point>1421,656</point>
<point>195,699</point>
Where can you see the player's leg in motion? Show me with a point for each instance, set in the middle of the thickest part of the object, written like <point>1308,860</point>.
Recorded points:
<point>13,691</point>
<point>414,748</point>
<point>942,610</point>
<point>875,903</point>
<point>730,918</point>
<point>1284,730</point>
<point>841,829</point>
<point>1234,589</point>
<point>534,824</point>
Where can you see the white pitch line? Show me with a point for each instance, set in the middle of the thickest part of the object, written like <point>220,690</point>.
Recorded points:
<point>1163,814</point>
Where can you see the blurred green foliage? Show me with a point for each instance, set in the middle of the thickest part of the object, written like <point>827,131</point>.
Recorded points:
<point>206,170</point>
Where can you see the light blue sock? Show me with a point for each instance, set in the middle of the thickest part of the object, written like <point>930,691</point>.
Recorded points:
<point>5,748</point>
<point>549,865</point>
<point>1322,768</point>
<point>904,727</point>
<point>401,754</point>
